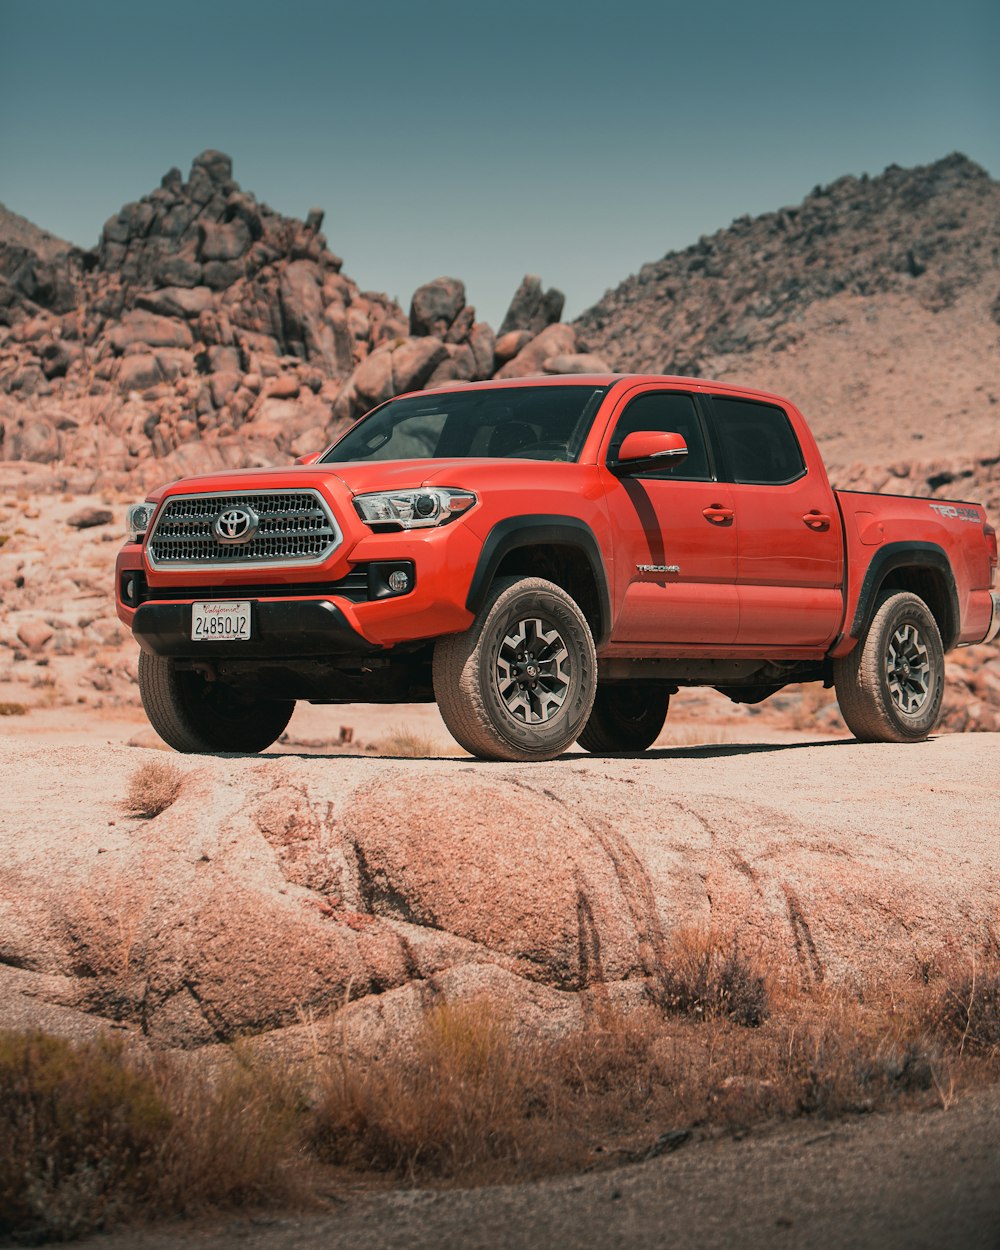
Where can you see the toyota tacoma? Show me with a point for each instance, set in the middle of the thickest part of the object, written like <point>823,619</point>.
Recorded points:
<point>549,559</point>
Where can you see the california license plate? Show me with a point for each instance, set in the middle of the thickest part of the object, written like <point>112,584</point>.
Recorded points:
<point>221,622</point>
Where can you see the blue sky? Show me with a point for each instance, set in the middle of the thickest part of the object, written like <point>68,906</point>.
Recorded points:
<point>576,141</point>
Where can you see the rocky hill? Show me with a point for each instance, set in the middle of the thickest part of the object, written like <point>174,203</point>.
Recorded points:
<point>207,330</point>
<point>18,232</point>
<point>875,303</point>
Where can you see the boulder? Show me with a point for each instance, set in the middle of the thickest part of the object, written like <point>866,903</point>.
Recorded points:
<point>228,241</point>
<point>90,517</point>
<point>556,340</point>
<point>413,362</point>
<point>300,290</point>
<point>575,362</point>
<point>35,439</point>
<point>34,634</point>
<point>141,327</point>
<point>509,344</point>
<point>220,274</point>
<point>483,344</point>
<point>177,301</point>
<point>180,270</point>
<point>372,381</point>
<point>435,306</point>
<point>532,308</point>
<point>139,371</point>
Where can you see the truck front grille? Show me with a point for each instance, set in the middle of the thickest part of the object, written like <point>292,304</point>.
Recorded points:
<point>293,527</point>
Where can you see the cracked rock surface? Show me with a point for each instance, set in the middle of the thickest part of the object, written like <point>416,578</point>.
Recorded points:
<point>276,888</point>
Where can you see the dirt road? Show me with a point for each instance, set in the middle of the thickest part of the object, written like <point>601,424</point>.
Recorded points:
<point>912,1181</point>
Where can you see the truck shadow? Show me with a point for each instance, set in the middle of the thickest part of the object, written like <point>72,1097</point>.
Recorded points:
<point>708,751</point>
<point>721,750</point>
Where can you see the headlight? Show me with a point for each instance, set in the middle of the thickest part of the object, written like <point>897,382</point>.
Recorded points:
<point>137,520</point>
<point>413,509</point>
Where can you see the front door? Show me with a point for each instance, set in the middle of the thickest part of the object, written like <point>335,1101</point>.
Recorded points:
<point>674,534</point>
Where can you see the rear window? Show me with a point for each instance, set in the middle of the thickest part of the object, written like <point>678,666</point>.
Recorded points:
<point>522,422</point>
<point>758,441</point>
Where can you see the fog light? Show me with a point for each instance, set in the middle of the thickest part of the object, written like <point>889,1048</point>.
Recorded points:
<point>129,595</point>
<point>399,581</point>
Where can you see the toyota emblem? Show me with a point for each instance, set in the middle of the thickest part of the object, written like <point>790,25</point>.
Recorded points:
<point>236,525</point>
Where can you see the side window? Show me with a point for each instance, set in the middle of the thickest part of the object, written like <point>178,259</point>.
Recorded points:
<point>666,412</point>
<point>759,441</point>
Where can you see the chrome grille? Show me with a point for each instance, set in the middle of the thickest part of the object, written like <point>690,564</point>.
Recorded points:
<point>295,527</point>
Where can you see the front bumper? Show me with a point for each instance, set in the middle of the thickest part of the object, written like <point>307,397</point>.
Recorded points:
<point>280,629</point>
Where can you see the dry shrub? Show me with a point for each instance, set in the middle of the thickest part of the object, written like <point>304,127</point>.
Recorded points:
<point>152,788</point>
<point>711,976</point>
<point>454,1104</point>
<point>79,1135</point>
<point>405,743</point>
<point>13,709</point>
<point>233,1141</point>
<point>968,1010</point>
<point>844,1056</point>
<point>90,1137</point>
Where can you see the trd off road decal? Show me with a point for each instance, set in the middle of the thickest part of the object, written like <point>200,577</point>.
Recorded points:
<point>955,512</point>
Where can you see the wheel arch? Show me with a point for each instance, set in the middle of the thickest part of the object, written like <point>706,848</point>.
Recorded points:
<point>921,568</point>
<point>562,549</point>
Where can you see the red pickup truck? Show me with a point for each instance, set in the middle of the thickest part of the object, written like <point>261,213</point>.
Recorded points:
<point>549,559</point>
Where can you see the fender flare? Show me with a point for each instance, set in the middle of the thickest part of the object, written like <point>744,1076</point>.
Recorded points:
<point>906,555</point>
<point>541,530</point>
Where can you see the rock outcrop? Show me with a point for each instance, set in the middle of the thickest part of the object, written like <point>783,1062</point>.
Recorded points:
<point>273,890</point>
<point>207,330</point>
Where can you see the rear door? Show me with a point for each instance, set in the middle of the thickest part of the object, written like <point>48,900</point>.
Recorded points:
<point>674,537</point>
<point>790,556</point>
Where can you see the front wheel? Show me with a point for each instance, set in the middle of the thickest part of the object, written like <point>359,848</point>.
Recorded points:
<point>519,684</point>
<point>198,716</point>
<point>890,687</point>
<point>627,716</point>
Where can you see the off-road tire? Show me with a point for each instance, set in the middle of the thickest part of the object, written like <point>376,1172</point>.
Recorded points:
<point>891,685</point>
<point>198,716</point>
<point>476,694</point>
<point>627,716</point>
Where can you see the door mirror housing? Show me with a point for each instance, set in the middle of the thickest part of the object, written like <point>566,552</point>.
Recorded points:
<point>649,449</point>
<point>312,457</point>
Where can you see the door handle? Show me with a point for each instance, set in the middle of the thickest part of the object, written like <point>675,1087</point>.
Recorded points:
<point>717,514</point>
<point>817,520</point>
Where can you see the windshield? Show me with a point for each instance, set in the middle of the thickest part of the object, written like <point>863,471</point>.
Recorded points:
<point>526,422</point>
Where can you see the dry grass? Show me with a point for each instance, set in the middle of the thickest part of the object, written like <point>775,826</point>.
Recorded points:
<point>457,1103</point>
<point>711,976</point>
<point>401,742</point>
<point>152,788</point>
<point>13,709</point>
<point>89,1136</point>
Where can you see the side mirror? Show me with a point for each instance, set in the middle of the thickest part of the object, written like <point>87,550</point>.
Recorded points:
<point>310,459</point>
<point>649,449</point>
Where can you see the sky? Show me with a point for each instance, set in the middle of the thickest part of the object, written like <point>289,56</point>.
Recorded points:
<point>572,140</point>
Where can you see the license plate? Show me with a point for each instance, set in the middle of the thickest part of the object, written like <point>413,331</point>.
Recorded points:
<point>221,622</point>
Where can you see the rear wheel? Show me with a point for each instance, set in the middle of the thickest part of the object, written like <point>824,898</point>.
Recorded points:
<point>891,685</point>
<point>519,684</point>
<point>198,716</point>
<point>627,716</point>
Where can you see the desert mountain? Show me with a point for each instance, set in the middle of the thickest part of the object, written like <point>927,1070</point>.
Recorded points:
<point>875,303</point>
<point>18,232</point>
